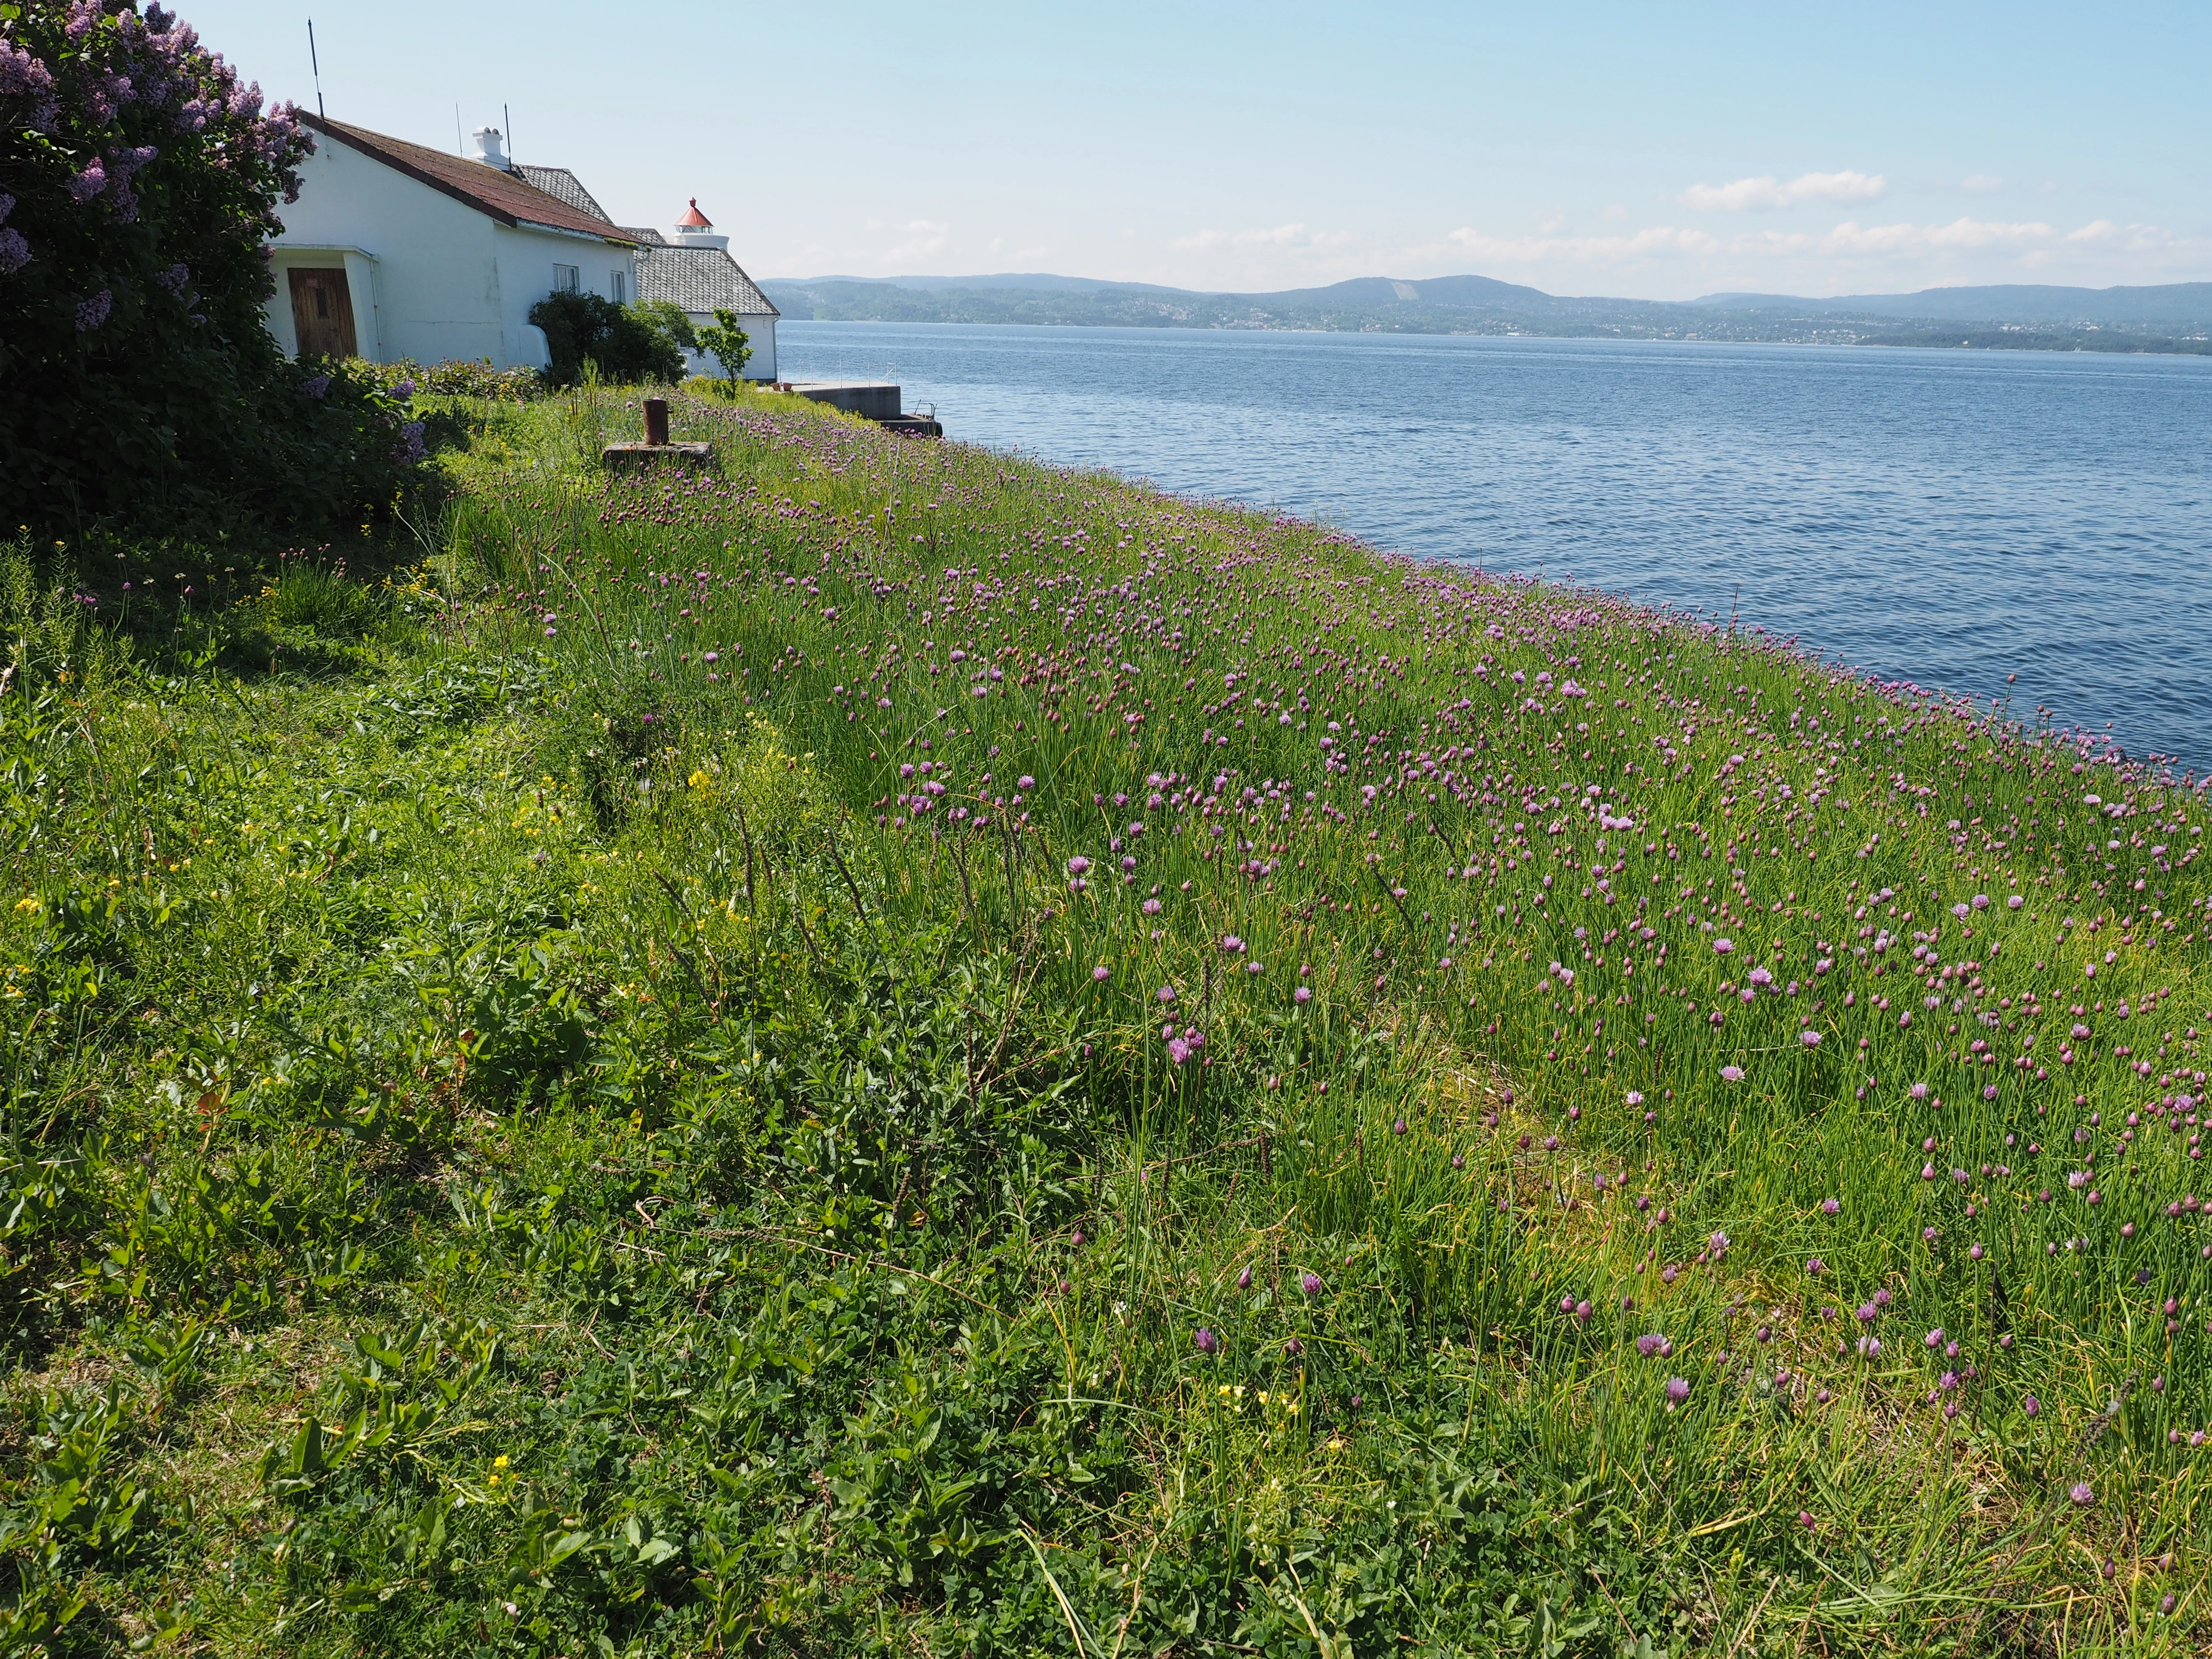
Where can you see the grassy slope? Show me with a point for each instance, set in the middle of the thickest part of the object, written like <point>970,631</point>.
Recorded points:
<point>542,1135</point>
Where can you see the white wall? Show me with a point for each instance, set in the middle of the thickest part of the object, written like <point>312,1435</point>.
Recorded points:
<point>430,278</point>
<point>760,331</point>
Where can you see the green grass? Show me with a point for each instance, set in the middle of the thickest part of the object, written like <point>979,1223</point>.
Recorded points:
<point>531,1131</point>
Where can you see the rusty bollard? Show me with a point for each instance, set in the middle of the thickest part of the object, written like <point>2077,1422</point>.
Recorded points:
<point>656,421</point>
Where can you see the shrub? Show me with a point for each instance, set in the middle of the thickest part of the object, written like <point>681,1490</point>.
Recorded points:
<point>624,345</point>
<point>460,379</point>
<point>730,345</point>
<point>142,383</point>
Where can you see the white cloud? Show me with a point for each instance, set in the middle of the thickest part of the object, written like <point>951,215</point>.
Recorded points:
<point>1961,234</point>
<point>2028,244</point>
<point>1659,240</point>
<point>1981,184</point>
<point>923,237</point>
<point>1757,195</point>
<point>1290,235</point>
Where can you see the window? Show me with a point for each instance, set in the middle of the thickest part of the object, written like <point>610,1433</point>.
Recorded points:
<point>618,287</point>
<point>566,279</point>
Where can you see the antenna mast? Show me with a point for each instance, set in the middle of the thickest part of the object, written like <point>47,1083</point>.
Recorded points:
<point>509,122</point>
<point>316,65</point>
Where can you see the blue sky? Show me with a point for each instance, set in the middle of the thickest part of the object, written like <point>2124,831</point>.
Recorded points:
<point>1659,151</point>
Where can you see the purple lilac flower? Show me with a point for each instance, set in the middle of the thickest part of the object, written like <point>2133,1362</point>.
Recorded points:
<point>14,251</point>
<point>84,185</point>
<point>93,312</point>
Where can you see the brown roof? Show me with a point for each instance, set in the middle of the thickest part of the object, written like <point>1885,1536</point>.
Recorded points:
<point>505,197</point>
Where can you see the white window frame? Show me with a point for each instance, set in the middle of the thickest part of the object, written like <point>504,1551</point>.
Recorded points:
<point>618,287</point>
<point>566,279</point>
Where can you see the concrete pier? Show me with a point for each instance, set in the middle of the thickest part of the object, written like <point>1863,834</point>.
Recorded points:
<point>875,400</point>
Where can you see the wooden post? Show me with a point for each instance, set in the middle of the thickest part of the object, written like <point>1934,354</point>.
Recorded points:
<point>656,421</point>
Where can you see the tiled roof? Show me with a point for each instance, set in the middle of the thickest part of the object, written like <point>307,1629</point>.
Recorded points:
<point>505,197</point>
<point>699,280</point>
<point>565,187</point>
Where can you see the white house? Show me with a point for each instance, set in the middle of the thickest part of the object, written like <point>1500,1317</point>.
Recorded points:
<point>692,269</point>
<point>397,251</point>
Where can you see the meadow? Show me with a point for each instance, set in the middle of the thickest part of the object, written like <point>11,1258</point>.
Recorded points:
<point>885,1048</point>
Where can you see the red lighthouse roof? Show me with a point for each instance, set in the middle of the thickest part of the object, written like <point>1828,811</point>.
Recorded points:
<point>693,216</point>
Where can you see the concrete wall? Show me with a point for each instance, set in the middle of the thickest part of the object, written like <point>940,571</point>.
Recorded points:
<point>431,278</point>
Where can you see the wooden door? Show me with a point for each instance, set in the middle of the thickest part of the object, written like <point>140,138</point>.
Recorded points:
<point>322,313</point>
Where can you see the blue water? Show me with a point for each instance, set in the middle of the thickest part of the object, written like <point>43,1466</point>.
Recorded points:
<point>1952,518</point>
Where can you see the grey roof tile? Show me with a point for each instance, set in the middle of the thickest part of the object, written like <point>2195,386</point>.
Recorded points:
<point>698,280</point>
<point>565,187</point>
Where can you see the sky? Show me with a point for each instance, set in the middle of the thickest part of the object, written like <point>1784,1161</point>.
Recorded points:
<point>1640,150</point>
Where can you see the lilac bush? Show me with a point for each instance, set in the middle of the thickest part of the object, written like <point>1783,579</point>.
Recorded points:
<point>139,181</point>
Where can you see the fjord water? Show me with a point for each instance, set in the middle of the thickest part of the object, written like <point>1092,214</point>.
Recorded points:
<point>1950,518</point>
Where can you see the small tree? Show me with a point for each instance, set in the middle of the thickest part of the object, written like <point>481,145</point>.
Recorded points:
<point>730,345</point>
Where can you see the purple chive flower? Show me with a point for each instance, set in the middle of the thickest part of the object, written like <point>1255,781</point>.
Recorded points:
<point>1102,973</point>
<point>1166,993</point>
<point>1304,993</point>
<point>1810,1039</point>
<point>1025,782</point>
<point>1918,1091</point>
<point>1077,864</point>
<point>2014,903</point>
<point>1678,1390</point>
<point>1869,1347</point>
<point>1635,1097</point>
<point>2031,1406</point>
<point>1178,1050</point>
<point>1829,1206</point>
<point>2083,1494</point>
<point>1398,1127</point>
<point>1653,1343</point>
<point>1309,1283</point>
<point>1722,947</point>
<point>1815,1266</point>
<point>1207,1343</point>
<point>1732,1073</point>
<point>1244,1279</point>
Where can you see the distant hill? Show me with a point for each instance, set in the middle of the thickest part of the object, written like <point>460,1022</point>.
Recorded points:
<point>2171,303</point>
<point>2175,317</point>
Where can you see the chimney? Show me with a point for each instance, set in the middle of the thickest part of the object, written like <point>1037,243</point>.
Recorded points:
<point>487,141</point>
